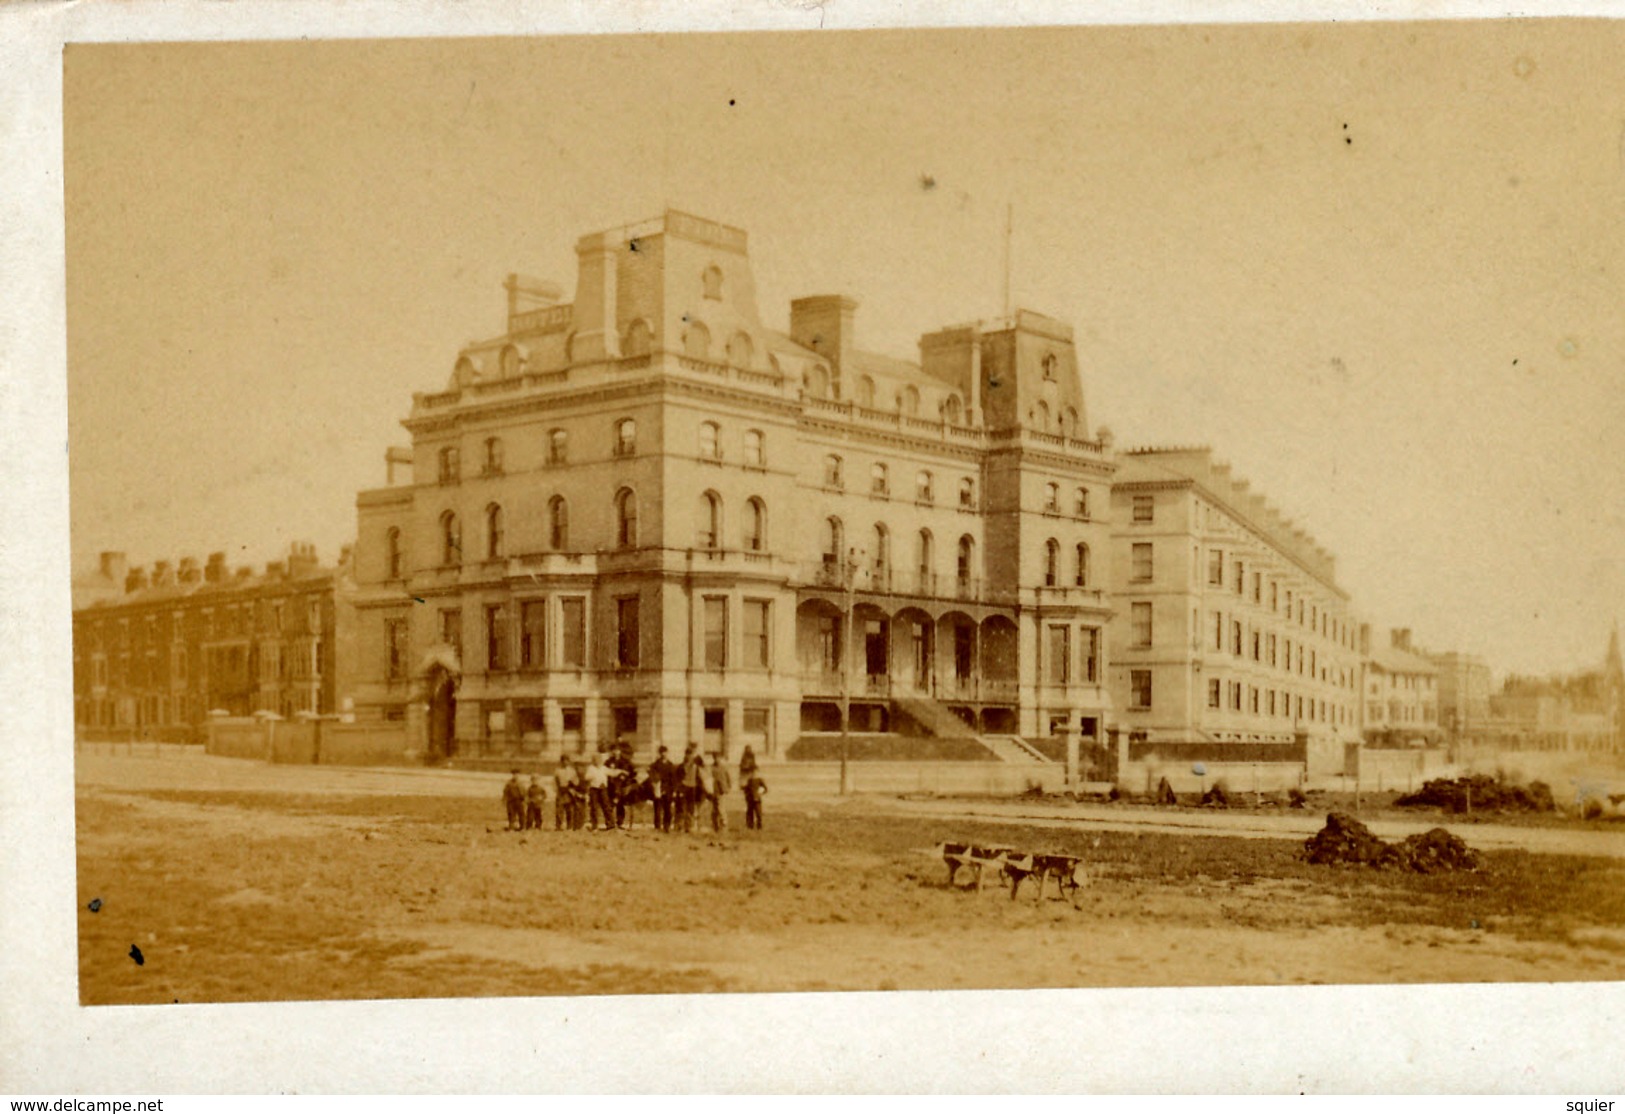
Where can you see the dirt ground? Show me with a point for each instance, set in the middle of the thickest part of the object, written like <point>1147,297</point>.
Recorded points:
<point>277,894</point>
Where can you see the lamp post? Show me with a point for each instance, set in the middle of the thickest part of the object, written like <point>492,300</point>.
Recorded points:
<point>849,582</point>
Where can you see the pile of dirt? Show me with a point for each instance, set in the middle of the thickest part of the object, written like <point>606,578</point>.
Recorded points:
<point>1480,791</point>
<point>1346,840</point>
<point>1217,796</point>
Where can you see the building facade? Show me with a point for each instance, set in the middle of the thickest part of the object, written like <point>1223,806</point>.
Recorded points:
<point>155,652</point>
<point>646,516</point>
<point>1401,690</point>
<point>1465,685</point>
<point>1230,626</point>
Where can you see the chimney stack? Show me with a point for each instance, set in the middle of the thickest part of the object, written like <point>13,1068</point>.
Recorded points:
<point>1401,637</point>
<point>135,580</point>
<point>189,572</point>
<point>275,570</point>
<point>163,574</point>
<point>215,571</point>
<point>115,567</point>
<point>302,560</point>
<point>824,324</point>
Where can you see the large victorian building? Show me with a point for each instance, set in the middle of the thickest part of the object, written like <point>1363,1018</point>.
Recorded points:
<point>647,516</point>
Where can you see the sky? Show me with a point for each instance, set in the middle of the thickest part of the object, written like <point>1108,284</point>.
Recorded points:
<point>1379,268</point>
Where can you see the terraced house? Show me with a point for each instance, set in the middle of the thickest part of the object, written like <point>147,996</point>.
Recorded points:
<point>646,515</point>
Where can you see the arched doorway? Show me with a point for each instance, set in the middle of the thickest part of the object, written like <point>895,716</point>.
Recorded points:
<point>442,713</point>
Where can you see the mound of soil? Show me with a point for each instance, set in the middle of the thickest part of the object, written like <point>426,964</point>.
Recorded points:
<point>1346,840</point>
<point>1217,796</point>
<point>1480,791</point>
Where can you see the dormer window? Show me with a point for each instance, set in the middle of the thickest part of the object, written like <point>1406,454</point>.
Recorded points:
<point>711,283</point>
<point>1050,364</point>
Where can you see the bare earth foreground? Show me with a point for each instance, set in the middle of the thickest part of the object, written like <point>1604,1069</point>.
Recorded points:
<point>240,882</point>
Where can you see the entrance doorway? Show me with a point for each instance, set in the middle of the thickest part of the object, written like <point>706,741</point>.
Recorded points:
<point>442,714</point>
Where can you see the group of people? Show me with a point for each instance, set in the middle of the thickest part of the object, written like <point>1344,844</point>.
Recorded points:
<point>601,792</point>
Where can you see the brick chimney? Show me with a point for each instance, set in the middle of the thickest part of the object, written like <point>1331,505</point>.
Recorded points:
<point>115,567</point>
<point>1401,638</point>
<point>275,570</point>
<point>163,574</point>
<point>189,571</point>
<point>302,560</point>
<point>215,571</point>
<point>824,324</point>
<point>135,580</point>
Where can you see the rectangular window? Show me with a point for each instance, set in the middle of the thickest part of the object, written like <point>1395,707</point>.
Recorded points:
<point>1213,692</point>
<point>1258,646</point>
<point>1144,508</point>
<point>1218,630</point>
<point>1275,596</point>
<point>1241,578</point>
<point>1141,617</point>
<point>1139,682</point>
<point>532,633</point>
<point>451,628</point>
<point>715,610</point>
<point>757,616</point>
<point>1235,637</point>
<point>1142,561</point>
<point>1252,698</point>
<point>496,637</point>
<point>1215,567</point>
<point>626,632</point>
<point>1258,587</point>
<point>1235,696</point>
<point>573,632</point>
<point>1091,655</point>
<point>394,649</point>
<point>1057,655</point>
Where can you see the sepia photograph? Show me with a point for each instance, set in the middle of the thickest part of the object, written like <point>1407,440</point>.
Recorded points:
<point>997,508</point>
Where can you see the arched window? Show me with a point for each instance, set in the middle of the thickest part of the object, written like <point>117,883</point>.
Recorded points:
<point>882,554</point>
<point>951,410</point>
<point>754,456</point>
<point>924,552</point>
<point>1041,418</point>
<point>922,487</point>
<point>626,437</point>
<point>1052,562</point>
<point>392,553</point>
<point>1050,364</point>
<point>833,541</point>
<point>626,519</point>
<point>879,479</point>
<point>510,362</point>
<point>832,471</point>
<point>965,563</point>
<point>448,465</point>
<point>558,446</point>
<point>756,525</point>
<point>1052,498</point>
<point>451,540</point>
<point>818,381</point>
<point>558,523</point>
<point>967,493</point>
<point>493,456</point>
<point>710,447</point>
<point>638,340</point>
<point>740,350</point>
<point>911,401</point>
<point>709,535</point>
<point>1083,565</point>
<point>1083,502</point>
<point>697,341</point>
<point>493,532</point>
<point>711,282</point>
<point>866,392</point>
<point>1069,421</point>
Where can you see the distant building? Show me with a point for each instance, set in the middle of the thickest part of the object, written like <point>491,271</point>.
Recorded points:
<point>1581,712</point>
<point>1465,684</point>
<point>155,651</point>
<point>646,516</point>
<point>1401,692</point>
<point>1230,625</point>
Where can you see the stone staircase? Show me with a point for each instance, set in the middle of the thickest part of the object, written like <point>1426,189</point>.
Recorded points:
<point>940,721</point>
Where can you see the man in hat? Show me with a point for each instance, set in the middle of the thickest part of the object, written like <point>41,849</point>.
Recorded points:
<point>564,781</point>
<point>513,798</point>
<point>661,784</point>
